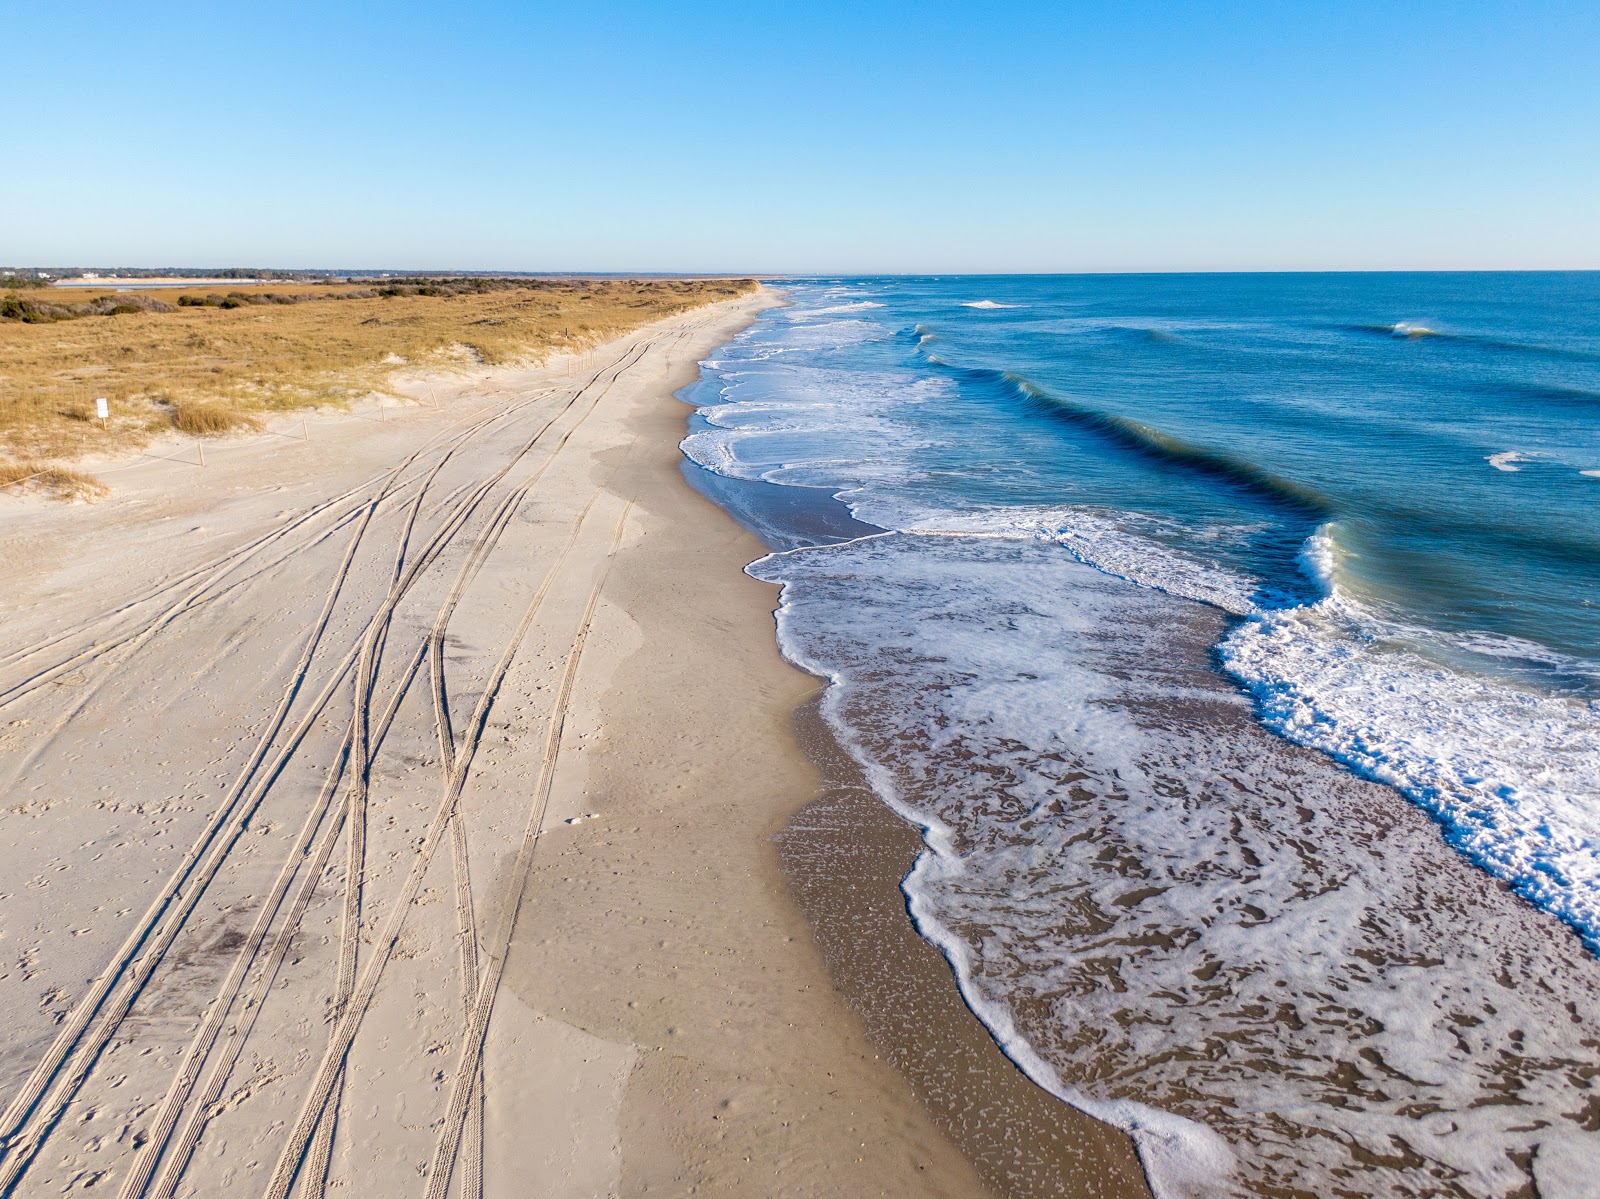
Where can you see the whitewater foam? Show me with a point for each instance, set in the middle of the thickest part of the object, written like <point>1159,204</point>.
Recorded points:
<point>810,314</point>
<point>1509,772</point>
<point>1096,538</point>
<point>1502,767</point>
<point>1145,897</point>
<point>1183,1158</point>
<point>1509,460</point>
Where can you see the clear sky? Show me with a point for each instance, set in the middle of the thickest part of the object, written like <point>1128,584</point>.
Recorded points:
<point>818,136</point>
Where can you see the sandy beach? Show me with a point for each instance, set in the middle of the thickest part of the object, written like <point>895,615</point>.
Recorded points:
<point>394,810</point>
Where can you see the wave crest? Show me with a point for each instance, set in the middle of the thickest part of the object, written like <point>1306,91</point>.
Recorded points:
<point>1165,448</point>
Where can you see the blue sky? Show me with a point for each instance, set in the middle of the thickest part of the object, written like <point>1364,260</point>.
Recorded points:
<point>815,136</point>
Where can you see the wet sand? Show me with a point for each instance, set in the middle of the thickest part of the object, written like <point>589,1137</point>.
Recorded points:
<point>1175,908</point>
<point>845,854</point>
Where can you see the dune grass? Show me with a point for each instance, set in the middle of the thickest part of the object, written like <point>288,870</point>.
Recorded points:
<point>209,361</point>
<point>58,481</point>
<point>210,419</point>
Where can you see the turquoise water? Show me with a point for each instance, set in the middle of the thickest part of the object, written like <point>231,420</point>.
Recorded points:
<point>1130,546</point>
<point>1374,402</point>
<point>1393,479</point>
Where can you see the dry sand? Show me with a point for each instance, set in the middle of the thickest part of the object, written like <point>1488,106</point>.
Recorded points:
<point>392,812</point>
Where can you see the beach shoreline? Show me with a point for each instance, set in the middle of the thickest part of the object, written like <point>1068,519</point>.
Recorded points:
<point>663,1020</point>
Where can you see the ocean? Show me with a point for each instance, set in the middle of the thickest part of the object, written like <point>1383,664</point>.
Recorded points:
<point>1191,617</point>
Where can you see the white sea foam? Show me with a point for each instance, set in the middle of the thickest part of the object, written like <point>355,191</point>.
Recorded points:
<point>1511,773</point>
<point>985,304</point>
<point>714,450</point>
<point>806,314</point>
<point>1096,538</point>
<point>1184,1159</point>
<point>807,337</point>
<point>1146,898</point>
<point>1319,558</point>
<point>1508,460</point>
<point>1590,474</point>
<point>812,435</point>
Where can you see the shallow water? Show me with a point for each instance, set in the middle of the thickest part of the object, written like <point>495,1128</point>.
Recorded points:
<point>1274,973</point>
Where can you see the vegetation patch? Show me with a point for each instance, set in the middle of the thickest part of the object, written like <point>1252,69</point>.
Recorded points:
<point>201,419</point>
<point>214,360</point>
<point>59,481</point>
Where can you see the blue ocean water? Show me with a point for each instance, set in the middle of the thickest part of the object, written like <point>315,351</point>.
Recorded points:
<point>1388,486</point>
<point>1396,477</point>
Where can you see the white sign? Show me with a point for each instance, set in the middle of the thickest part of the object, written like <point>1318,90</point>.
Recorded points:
<point>101,409</point>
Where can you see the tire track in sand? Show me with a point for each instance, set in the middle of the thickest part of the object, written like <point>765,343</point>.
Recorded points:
<point>355,825</point>
<point>404,580</point>
<point>304,861</point>
<point>28,1122</point>
<point>345,1028</point>
<point>469,1068</point>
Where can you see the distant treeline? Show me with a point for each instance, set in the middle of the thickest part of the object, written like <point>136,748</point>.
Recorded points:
<point>20,276</point>
<point>46,275</point>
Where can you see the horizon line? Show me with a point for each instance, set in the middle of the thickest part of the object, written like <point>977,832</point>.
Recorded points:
<point>219,272</point>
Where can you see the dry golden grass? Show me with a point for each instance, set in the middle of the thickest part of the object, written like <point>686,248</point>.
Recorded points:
<point>58,481</point>
<point>200,418</point>
<point>208,370</point>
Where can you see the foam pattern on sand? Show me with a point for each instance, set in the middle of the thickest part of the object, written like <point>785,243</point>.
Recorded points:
<point>1154,905</point>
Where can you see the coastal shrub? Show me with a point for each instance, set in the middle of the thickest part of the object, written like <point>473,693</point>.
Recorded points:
<point>33,312</point>
<point>119,305</point>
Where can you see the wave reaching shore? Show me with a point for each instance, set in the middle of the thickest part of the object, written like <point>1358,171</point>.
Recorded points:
<point>1271,971</point>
